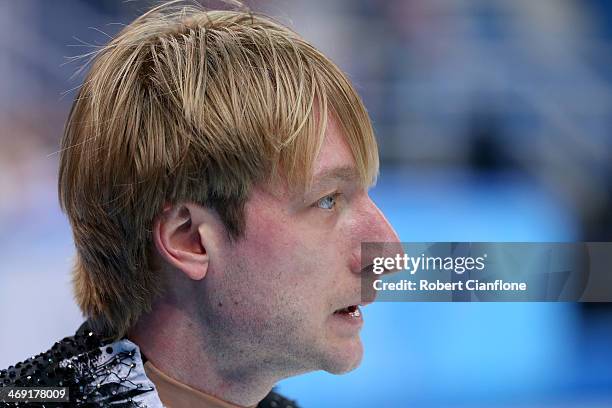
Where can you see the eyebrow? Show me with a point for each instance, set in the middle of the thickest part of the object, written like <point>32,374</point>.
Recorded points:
<point>343,173</point>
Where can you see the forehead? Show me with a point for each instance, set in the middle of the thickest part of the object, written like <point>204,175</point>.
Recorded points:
<point>335,157</point>
<point>333,161</point>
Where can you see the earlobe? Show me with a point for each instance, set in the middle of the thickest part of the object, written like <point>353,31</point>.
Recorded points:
<point>177,237</point>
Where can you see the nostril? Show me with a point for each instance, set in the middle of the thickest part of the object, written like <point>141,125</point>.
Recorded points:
<point>368,268</point>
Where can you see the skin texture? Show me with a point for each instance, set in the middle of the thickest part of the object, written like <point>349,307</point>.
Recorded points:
<point>239,316</point>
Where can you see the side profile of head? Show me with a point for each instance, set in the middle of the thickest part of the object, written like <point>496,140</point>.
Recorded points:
<point>215,171</point>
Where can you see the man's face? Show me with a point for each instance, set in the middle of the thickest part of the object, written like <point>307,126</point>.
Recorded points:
<point>277,293</point>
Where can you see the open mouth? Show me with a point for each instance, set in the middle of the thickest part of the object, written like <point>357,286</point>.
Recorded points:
<point>352,311</point>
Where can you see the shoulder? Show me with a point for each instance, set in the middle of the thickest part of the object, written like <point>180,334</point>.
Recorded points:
<point>46,369</point>
<point>93,370</point>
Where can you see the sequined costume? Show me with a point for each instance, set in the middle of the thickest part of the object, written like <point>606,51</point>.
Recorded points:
<point>98,373</point>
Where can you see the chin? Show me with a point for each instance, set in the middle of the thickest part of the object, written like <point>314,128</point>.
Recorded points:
<point>344,358</point>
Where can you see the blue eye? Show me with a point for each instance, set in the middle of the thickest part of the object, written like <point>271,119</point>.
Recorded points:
<point>328,202</point>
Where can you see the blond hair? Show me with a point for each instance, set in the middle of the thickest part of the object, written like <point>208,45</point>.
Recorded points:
<point>189,105</point>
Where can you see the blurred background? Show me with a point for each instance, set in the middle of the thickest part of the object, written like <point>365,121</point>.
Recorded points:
<point>494,119</point>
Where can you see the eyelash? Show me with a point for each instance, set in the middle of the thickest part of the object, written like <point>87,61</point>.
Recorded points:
<point>333,196</point>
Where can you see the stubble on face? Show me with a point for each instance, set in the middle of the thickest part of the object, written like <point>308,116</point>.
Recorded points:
<point>271,296</point>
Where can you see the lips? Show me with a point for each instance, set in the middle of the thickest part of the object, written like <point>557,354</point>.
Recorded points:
<point>352,310</point>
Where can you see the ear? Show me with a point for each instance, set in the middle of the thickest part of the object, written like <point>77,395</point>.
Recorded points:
<point>179,236</point>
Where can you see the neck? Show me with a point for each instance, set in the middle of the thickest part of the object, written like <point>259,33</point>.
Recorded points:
<point>178,345</point>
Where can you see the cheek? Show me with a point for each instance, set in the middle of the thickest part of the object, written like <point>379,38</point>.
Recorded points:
<point>264,286</point>
<point>293,256</point>
<point>284,264</point>
<point>267,265</point>
<point>270,244</point>
<point>284,248</point>
<point>283,272</point>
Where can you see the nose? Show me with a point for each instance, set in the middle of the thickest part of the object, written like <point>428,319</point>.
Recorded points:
<point>379,239</point>
<point>380,229</point>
